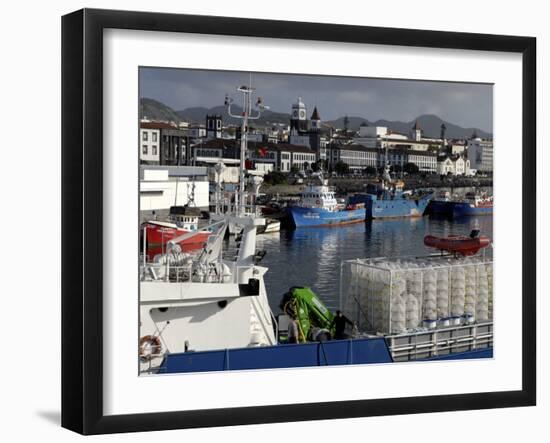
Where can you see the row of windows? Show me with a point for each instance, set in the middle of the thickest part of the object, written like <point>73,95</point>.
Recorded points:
<point>304,157</point>
<point>422,159</point>
<point>267,155</point>
<point>145,136</point>
<point>309,195</point>
<point>360,154</point>
<point>208,152</point>
<point>153,150</point>
<point>360,162</point>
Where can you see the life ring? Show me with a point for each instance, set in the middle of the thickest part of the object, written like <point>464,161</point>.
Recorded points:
<point>317,202</point>
<point>149,347</point>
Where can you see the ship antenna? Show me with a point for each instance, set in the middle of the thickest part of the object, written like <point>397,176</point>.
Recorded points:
<point>244,116</point>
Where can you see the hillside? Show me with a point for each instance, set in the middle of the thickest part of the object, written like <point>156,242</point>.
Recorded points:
<point>431,124</point>
<point>198,115</point>
<point>155,110</point>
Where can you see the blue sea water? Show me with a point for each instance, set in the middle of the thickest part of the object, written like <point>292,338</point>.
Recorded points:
<point>312,256</point>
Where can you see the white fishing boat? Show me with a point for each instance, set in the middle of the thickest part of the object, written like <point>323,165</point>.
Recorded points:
<point>207,301</point>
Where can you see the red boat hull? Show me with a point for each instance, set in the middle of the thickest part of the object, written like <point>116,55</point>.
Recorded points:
<point>160,234</point>
<point>458,244</point>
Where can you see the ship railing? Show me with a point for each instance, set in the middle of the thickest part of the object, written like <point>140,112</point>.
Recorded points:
<point>441,341</point>
<point>249,210</point>
<point>160,272</point>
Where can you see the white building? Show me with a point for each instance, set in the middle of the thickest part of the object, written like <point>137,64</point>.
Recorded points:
<point>158,191</point>
<point>372,131</point>
<point>303,160</point>
<point>457,147</point>
<point>426,161</point>
<point>149,141</point>
<point>197,131</point>
<point>480,154</point>
<point>357,157</point>
<point>284,161</point>
<point>454,165</point>
<point>381,136</point>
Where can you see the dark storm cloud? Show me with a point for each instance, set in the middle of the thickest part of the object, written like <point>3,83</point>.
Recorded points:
<point>465,104</point>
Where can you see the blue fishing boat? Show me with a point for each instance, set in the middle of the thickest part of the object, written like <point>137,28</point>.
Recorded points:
<point>318,207</point>
<point>439,205</point>
<point>472,204</point>
<point>387,199</point>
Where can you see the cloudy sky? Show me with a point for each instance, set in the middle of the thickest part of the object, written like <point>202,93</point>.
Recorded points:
<point>464,104</point>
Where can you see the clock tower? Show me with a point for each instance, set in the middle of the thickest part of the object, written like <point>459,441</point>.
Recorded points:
<point>298,117</point>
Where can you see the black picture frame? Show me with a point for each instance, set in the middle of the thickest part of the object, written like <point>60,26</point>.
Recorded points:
<point>82,219</point>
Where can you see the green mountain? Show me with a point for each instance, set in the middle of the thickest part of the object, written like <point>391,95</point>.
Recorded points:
<point>155,110</point>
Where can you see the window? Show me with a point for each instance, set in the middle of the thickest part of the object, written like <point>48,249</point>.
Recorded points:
<point>144,135</point>
<point>144,149</point>
<point>154,136</point>
<point>154,148</point>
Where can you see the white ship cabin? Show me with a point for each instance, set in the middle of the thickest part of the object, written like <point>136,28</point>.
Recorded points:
<point>185,217</point>
<point>318,197</point>
<point>476,199</point>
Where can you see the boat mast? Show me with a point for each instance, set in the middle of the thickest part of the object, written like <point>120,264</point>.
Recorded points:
<point>244,116</point>
<point>386,177</point>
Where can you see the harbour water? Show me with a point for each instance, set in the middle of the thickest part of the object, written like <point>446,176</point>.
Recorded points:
<point>312,256</point>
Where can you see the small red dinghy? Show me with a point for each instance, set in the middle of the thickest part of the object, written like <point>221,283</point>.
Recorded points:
<point>459,244</point>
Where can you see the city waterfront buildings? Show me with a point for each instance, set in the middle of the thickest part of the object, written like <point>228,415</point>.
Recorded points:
<point>480,154</point>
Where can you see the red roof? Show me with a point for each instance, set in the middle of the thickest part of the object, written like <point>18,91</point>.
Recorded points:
<point>156,125</point>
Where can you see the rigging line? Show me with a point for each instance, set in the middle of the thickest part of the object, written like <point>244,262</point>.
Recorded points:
<point>160,334</point>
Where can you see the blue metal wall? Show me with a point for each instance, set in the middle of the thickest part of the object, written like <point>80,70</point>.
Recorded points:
<point>338,352</point>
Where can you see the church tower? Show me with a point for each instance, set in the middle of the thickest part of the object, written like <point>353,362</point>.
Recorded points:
<point>315,120</point>
<point>298,117</point>
<point>416,132</point>
<point>315,133</point>
<point>213,126</point>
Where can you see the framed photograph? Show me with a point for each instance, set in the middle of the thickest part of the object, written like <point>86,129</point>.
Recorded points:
<point>270,221</point>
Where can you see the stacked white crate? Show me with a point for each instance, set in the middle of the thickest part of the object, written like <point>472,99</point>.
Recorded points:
<point>396,295</point>
<point>430,294</point>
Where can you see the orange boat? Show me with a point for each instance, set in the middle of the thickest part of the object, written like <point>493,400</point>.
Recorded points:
<point>459,244</point>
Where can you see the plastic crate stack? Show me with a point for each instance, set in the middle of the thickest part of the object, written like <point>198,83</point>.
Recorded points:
<point>392,296</point>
